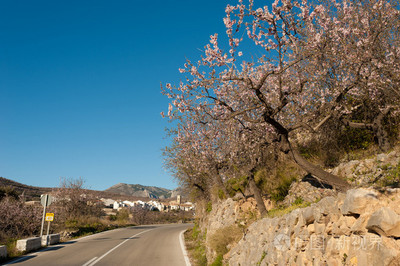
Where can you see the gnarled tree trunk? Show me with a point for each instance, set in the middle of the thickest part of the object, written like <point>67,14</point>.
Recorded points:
<point>380,133</point>
<point>219,182</point>
<point>257,195</point>
<point>310,168</point>
<point>376,127</point>
<point>335,181</point>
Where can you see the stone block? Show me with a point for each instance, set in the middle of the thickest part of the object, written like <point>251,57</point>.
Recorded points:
<point>319,228</point>
<point>359,226</point>
<point>357,200</point>
<point>29,244</point>
<point>52,239</point>
<point>327,205</point>
<point>385,222</point>
<point>343,225</point>
<point>3,252</point>
<point>310,214</point>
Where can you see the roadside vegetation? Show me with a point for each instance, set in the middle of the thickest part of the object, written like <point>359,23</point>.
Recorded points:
<point>77,213</point>
<point>195,245</point>
<point>18,220</point>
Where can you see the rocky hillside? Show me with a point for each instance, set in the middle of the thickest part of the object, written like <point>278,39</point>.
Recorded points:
<point>140,191</point>
<point>30,192</point>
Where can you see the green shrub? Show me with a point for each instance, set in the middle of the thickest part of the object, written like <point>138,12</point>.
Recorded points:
<point>392,177</point>
<point>236,185</point>
<point>276,182</point>
<point>298,201</point>
<point>262,258</point>
<point>200,255</point>
<point>11,246</point>
<point>112,217</point>
<point>123,215</point>
<point>355,138</point>
<point>209,206</point>
<point>195,244</point>
<point>282,189</point>
<point>218,261</point>
<point>71,224</point>
<point>195,231</point>
<point>221,194</point>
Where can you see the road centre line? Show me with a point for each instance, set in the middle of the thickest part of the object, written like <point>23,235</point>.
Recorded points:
<point>183,247</point>
<point>91,262</point>
<point>97,234</point>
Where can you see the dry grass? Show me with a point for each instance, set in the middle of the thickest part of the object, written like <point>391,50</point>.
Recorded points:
<point>224,237</point>
<point>280,211</point>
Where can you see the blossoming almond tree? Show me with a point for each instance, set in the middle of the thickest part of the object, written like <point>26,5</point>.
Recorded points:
<point>205,155</point>
<point>358,63</point>
<point>194,159</point>
<point>317,62</point>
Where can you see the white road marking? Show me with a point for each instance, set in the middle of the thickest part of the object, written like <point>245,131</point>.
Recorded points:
<point>183,247</point>
<point>111,250</point>
<point>87,263</point>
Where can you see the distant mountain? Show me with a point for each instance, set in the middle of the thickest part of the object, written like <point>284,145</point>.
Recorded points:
<point>140,191</point>
<point>131,192</point>
<point>180,191</point>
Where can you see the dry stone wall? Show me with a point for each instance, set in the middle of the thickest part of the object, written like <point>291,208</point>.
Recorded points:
<point>227,213</point>
<point>361,227</point>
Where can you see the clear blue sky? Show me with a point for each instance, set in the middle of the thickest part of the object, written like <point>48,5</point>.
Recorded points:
<point>80,86</point>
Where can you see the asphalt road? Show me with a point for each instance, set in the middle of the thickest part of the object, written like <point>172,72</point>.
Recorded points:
<point>138,245</point>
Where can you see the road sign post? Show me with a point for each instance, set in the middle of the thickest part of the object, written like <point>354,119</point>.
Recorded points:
<point>45,200</point>
<point>49,218</point>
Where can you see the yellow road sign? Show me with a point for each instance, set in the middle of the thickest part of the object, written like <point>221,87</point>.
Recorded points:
<point>49,217</point>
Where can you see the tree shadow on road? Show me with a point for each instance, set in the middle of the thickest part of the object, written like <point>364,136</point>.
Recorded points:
<point>142,227</point>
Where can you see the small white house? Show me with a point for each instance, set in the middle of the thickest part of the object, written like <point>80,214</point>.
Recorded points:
<point>128,203</point>
<point>118,205</point>
<point>156,205</point>
<point>108,202</point>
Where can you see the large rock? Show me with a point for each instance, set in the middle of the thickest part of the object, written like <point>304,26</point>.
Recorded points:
<point>385,222</point>
<point>357,200</point>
